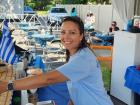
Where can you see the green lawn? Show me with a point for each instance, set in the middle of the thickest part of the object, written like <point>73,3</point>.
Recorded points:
<point>106,73</point>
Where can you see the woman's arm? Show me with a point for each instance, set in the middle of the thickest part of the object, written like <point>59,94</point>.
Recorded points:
<point>36,81</point>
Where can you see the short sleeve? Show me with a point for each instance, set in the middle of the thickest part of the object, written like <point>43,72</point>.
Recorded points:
<point>76,69</point>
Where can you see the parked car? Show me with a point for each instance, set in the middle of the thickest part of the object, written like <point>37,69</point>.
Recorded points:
<point>56,14</point>
<point>29,13</point>
<point>28,10</point>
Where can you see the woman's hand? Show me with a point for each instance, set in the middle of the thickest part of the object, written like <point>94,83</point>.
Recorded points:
<point>3,86</point>
<point>34,71</point>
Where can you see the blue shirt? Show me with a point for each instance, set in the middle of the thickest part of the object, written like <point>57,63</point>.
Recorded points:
<point>73,13</point>
<point>85,85</point>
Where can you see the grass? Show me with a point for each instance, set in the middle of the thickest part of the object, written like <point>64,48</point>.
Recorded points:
<point>106,73</point>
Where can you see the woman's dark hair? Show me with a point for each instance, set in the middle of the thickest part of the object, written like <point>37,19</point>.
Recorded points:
<point>114,22</point>
<point>73,9</point>
<point>88,14</point>
<point>80,25</point>
<point>91,14</point>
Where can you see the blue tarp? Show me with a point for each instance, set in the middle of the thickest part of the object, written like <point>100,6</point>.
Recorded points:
<point>38,63</point>
<point>106,39</point>
<point>132,77</point>
<point>57,92</point>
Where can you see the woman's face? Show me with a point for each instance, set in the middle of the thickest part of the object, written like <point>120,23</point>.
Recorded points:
<point>70,36</point>
<point>113,24</point>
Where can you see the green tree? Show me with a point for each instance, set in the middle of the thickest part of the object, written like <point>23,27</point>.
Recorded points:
<point>37,4</point>
<point>84,1</point>
<point>101,1</point>
<point>45,4</point>
<point>74,1</point>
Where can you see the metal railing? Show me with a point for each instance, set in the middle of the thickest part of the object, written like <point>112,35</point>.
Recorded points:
<point>34,19</point>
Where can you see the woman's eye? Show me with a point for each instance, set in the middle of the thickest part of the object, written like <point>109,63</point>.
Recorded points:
<point>62,32</point>
<point>72,33</point>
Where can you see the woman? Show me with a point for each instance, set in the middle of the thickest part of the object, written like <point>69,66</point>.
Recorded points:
<point>81,72</point>
<point>113,27</point>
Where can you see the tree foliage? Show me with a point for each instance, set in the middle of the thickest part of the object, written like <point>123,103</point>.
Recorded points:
<point>43,4</point>
<point>38,4</point>
<point>103,1</point>
<point>74,1</point>
<point>85,1</point>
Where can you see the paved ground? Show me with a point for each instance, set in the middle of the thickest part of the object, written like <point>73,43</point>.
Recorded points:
<point>117,102</point>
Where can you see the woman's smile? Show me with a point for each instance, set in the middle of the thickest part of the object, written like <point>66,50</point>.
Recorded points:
<point>70,36</point>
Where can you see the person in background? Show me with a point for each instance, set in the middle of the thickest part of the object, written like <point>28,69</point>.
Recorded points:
<point>81,71</point>
<point>113,27</point>
<point>89,21</point>
<point>92,17</point>
<point>73,12</point>
<point>129,25</point>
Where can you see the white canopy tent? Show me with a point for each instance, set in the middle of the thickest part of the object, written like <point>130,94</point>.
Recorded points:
<point>137,7</point>
<point>125,8</point>
<point>8,7</point>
